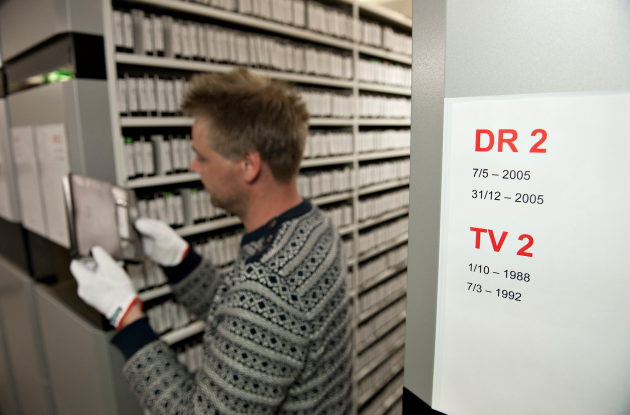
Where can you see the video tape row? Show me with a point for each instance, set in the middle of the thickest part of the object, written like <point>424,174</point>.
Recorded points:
<point>382,347</point>
<point>348,247</point>
<point>323,103</point>
<point>154,95</point>
<point>382,263</point>
<point>157,155</point>
<point>340,214</point>
<point>146,275</point>
<point>150,95</point>
<point>385,37</point>
<point>384,171</point>
<point>329,20</point>
<point>179,207</point>
<point>190,354</point>
<point>221,249</point>
<point>180,39</point>
<point>384,371</point>
<point>381,140</point>
<point>380,72</point>
<point>383,233</point>
<point>168,315</point>
<point>382,292</point>
<point>317,183</point>
<point>383,400</point>
<point>380,106</point>
<point>380,320</point>
<point>327,144</point>
<point>374,206</point>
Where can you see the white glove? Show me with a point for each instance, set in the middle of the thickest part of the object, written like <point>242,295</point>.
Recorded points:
<point>161,243</point>
<point>106,286</point>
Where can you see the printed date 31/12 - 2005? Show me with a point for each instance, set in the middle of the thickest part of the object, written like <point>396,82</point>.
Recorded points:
<point>518,197</point>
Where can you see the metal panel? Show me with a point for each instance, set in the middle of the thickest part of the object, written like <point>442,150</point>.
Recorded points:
<point>23,341</point>
<point>26,23</point>
<point>8,394</point>
<point>496,47</point>
<point>427,113</point>
<point>7,170</point>
<point>85,369</point>
<point>91,103</point>
<point>464,48</point>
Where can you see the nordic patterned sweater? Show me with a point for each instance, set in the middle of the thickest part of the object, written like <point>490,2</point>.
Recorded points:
<point>278,328</point>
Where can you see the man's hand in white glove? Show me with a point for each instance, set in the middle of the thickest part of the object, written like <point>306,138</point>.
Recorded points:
<point>161,243</point>
<point>105,287</point>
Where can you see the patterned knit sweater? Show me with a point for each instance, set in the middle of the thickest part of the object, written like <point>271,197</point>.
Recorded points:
<point>278,328</point>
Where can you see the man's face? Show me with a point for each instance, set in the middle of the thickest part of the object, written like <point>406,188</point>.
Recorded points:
<point>221,178</point>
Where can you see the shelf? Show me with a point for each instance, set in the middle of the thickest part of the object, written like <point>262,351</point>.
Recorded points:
<point>385,89</point>
<point>332,122</point>
<point>162,180</point>
<point>382,276</point>
<point>384,247</point>
<point>389,402</point>
<point>378,333</point>
<point>384,122</point>
<point>326,161</point>
<point>337,197</point>
<point>345,230</point>
<point>208,226</point>
<point>397,295</point>
<point>155,293</point>
<point>184,333</point>
<point>196,66</point>
<point>245,20</point>
<point>385,14</point>
<point>383,186</point>
<point>394,371</point>
<point>156,122</point>
<point>380,359</point>
<point>385,54</point>
<point>384,217</point>
<point>384,154</point>
<point>127,122</point>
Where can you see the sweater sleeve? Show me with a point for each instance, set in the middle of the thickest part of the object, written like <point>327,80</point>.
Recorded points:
<point>198,287</point>
<point>253,352</point>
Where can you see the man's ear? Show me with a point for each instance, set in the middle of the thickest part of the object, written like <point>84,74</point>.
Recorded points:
<point>252,165</point>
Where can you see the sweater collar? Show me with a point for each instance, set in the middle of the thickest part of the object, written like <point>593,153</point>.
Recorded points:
<point>274,224</point>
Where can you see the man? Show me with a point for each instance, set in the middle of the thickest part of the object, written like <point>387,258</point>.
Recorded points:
<point>278,327</point>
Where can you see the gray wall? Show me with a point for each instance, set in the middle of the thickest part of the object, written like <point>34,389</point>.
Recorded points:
<point>494,47</point>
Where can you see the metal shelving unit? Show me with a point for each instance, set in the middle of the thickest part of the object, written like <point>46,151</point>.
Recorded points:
<point>201,12</point>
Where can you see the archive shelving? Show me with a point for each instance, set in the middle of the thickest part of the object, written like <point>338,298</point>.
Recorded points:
<point>383,396</point>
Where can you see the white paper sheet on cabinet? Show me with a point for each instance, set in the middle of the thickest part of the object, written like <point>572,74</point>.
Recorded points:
<point>32,204</point>
<point>52,150</point>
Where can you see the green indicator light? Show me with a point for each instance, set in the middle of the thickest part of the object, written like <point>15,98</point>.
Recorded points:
<point>57,76</point>
<point>169,194</point>
<point>193,190</point>
<point>129,140</point>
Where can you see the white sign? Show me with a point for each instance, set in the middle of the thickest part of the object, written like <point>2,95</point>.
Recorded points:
<point>53,160</point>
<point>534,282</point>
<point>28,179</point>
